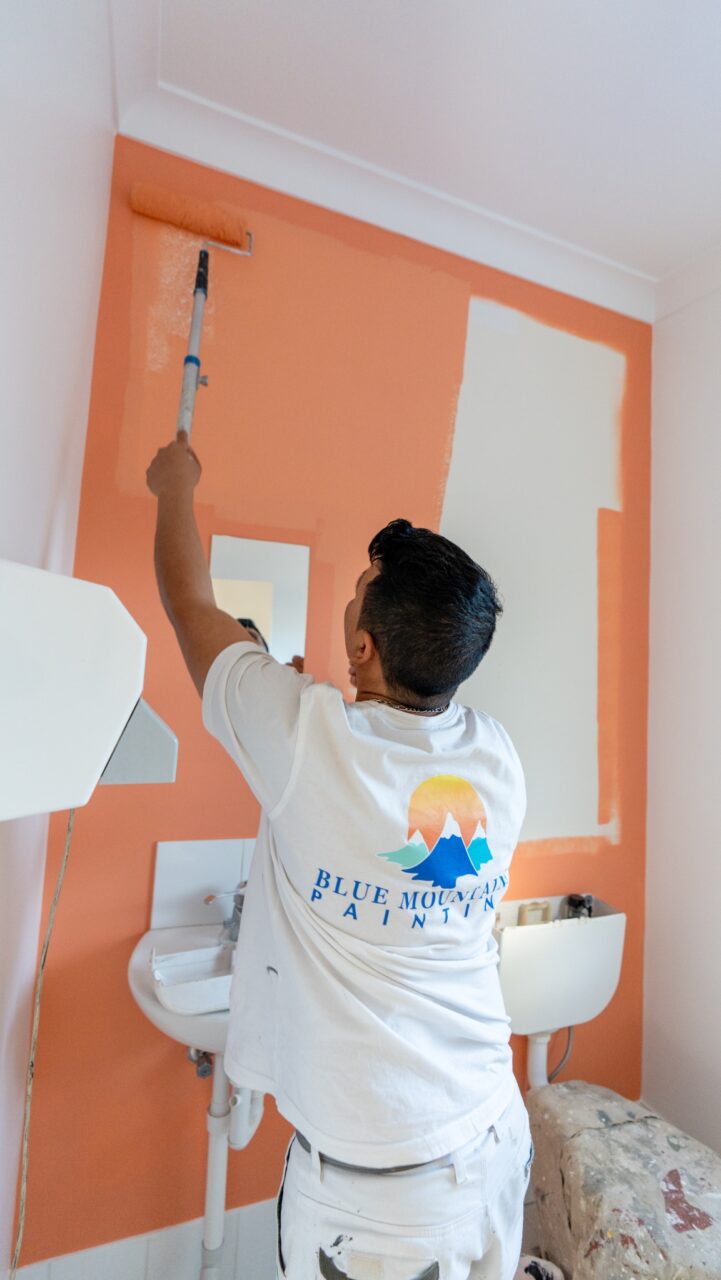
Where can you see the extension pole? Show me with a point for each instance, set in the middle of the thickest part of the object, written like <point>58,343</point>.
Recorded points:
<point>191,365</point>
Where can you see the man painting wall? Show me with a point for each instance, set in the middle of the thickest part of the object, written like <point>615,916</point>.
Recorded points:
<point>366,997</point>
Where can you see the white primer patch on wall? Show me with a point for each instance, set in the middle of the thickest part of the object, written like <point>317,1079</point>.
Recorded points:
<point>535,455</point>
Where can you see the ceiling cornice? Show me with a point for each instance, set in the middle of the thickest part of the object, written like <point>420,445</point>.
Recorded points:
<point>168,117</point>
<point>692,283</point>
<point>185,125</point>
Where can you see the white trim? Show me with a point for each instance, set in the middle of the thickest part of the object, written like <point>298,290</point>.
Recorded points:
<point>187,126</point>
<point>691,283</point>
<point>173,119</point>
<point>422,188</point>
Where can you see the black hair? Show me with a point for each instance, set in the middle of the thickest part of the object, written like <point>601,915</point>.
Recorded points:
<point>431,611</point>
<point>252,626</point>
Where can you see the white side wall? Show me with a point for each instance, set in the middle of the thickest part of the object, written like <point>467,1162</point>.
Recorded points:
<point>682,1050</point>
<point>57,105</point>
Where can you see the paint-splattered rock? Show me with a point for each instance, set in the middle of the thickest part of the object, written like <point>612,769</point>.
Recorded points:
<point>621,1193</point>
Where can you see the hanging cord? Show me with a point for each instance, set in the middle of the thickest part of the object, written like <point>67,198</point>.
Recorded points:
<point>569,1046</point>
<point>34,1044</point>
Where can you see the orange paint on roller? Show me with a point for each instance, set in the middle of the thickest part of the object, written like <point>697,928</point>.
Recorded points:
<point>199,217</point>
<point>221,229</point>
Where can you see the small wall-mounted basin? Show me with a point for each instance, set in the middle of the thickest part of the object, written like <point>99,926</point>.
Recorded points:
<point>205,1031</point>
<point>558,973</point>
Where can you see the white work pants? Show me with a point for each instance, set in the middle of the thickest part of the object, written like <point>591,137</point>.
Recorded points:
<point>457,1219</point>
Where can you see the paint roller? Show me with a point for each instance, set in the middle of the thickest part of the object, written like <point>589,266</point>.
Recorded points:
<point>219,229</point>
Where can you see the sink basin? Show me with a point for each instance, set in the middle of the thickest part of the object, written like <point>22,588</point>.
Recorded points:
<point>561,972</point>
<point>206,1031</point>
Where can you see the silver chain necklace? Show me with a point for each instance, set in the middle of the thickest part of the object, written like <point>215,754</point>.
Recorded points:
<point>404,706</point>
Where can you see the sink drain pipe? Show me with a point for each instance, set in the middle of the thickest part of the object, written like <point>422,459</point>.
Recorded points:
<point>217,1176</point>
<point>233,1117</point>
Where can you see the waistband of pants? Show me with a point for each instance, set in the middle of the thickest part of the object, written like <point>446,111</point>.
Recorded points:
<point>453,1158</point>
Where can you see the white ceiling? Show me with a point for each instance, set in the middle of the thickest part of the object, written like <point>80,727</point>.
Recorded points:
<point>575,142</point>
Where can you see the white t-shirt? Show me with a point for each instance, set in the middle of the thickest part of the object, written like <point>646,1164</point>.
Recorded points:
<point>366,996</point>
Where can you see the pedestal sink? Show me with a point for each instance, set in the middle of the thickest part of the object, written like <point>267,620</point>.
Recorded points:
<point>233,1114</point>
<point>557,973</point>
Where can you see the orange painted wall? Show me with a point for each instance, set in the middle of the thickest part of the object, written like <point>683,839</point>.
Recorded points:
<point>335,358</point>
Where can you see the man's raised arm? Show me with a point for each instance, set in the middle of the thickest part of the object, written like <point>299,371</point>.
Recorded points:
<point>203,630</point>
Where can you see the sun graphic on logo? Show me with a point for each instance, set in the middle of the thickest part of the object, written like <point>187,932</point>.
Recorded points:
<point>446,833</point>
<point>433,800</point>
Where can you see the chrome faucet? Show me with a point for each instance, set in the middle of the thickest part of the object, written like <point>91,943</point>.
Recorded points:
<point>231,926</point>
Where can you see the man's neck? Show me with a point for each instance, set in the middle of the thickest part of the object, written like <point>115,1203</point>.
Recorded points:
<point>391,699</point>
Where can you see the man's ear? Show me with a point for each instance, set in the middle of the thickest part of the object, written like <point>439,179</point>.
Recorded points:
<point>364,648</point>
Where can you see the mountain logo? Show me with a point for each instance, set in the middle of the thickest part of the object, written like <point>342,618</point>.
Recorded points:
<point>447,833</point>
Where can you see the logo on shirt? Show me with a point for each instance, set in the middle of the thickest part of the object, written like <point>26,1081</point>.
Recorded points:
<point>447,819</point>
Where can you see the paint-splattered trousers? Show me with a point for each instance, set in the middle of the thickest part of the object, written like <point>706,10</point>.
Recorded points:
<point>460,1218</point>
